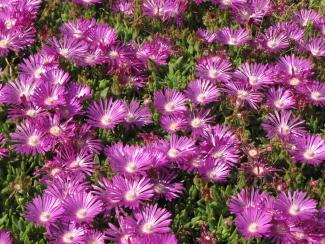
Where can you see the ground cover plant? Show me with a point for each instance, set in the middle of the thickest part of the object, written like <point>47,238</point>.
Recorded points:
<point>162,121</point>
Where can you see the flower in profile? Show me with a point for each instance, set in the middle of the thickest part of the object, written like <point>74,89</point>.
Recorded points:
<point>170,101</point>
<point>177,148</point>
<point>202,92</point>
<point>315,47</point>
<point>308,149</point>
<point>244,93</point>
<point>128,160</point>
<point>257,75</point>
<point>5,237</point>
<point>283,124</point>
<point>214,170</point>
<point>206,36</point>
<point>213,68</point>
<point>280,98</point>
<point>246,199</point>
<point>78,91</point>
<point>232,37</point>
<point>136,115</point>
<point>66,232</point>
<point>125,7</point>
<point>152,219</point>
<point>131,192</point>
<point>104,35</point>
<point>173,123</point>
<point>296,205</point>
<point>165,187</point>
<point>82,207</point>
<point>106,113</point>
<point>253,222</point>
<point>28,139</point>
<point>44,210</point>
<point>306,17</point>
<point>282,230</point>
<point>258,168</point>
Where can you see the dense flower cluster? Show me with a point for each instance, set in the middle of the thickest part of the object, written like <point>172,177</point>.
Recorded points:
<point>17,29</point>
<point>59,118</point>
<point>289,218</point>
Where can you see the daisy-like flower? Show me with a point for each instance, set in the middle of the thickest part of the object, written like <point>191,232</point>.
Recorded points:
<point>66,232</point>
<point>173,123</point>
<point>315,47</point>
<point>170,101</point>
<point>215,171</point>
<point>94,237</point>
<point>244,93</point>
<point>259,169</point>
<point>296,205</point>
<point>5,237</point>
<point>15,92</point>
<point>79,29</point>
<point>308,16</point>
<point>152,219</point>
<point>70,48</point>
<point>253,222</point>
<point>78,91</point>
<point>274,40</point>
<point>128,160</point>
<point>131,192</point>
<point>125,7</point>
<point>232,37</point>
<point>29,140</point>
<point>106,113</point>
<point>136,115</point>
<point>257,75</point>
<point>280,98</point>
<point>44,210</point>
<point>104,35</point>
<point>56,77</point>
<point>48,95</point>
<point>247,199</point>
<point>179,148</point>
<point>199,120</point>
<point>206,36</point>
<point>213,68</point>
<point>282,231</point>
<point>162,239</point>
<point>283,124</point>
<point>309,149</point>
<point>82,207</point>
<point>293,69</point>
<point>164,186</point>
<point>315,92</point>
<point>202,92</point>
<point>292,30</point>
<point>34,67</point>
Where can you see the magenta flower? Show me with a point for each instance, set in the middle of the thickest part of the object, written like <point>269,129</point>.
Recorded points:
<point>283,124</point>
<point>308,16</point>
<point>131,192</point>
<point>292,30</point>
<point>202,92</point>
<point>162,239</point>
<point>136,115</point>
<point>244,94</point>
<point>44,210</point>
<point>315,92</point>
<point>78,91</point>
<point>253,222</point>
<point>94,237</point>
<point>315,47</point>
<point>309,149</point>
<point>106,113</point>
<point>70,48</point>
<point>206,36</point>
<point>215,171</point>
<point>5,237</point>
<point>153,219</point>
<point>170,101</point>
<point>82,207</point>
<point>128,160</point>
<point>173,123</point>
<point>280,98</point>
<point>165,187</point>
<point>274,40</point>
<point>213,68</point>
<point>123,6</point>
<point>257,75</point>
<point>48,95</point>
<point>29,140</point>
<point>232,37</point>
<point>296,205</point>
<point>66,232</point>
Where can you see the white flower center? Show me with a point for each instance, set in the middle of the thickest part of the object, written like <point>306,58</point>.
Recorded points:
<point>272,44</point>
<point>49,101</point>
<point>201,98</point>
<point>55,130</point>
<point>253,227</point>
<point>284,129</point>
<point>68,237</point>
<point>38,72</point>
<point>64,52</point>
<point>113,54</point>
<point>106,120</point>
<point>314,52</point>
<point>33,141</point>
<point>31,113</point>
<point>196,122</point>
<point>242,94</point>
<point>172,153</point>
<point>315,95</point>
<point>173,126</point>
<point>147,228</point>
<point>294,210</point>
<point>252,152</point>
<point>81,213</point>
<point>129,118</point>
<point>55,171</point>
<point>308,154</point>
<point>253,80</point>
<point>258,170</point>
<point>294,82</point>
<point>213,73</point>
<point>217,154</point>
<point>130,195</point>
<point>130,167</point>
<point>232,41</point>
<point>44,216</point>
<point>169,107</point>
<point>159,188</point>
<point>4,43</point>
<point>278,103</point>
